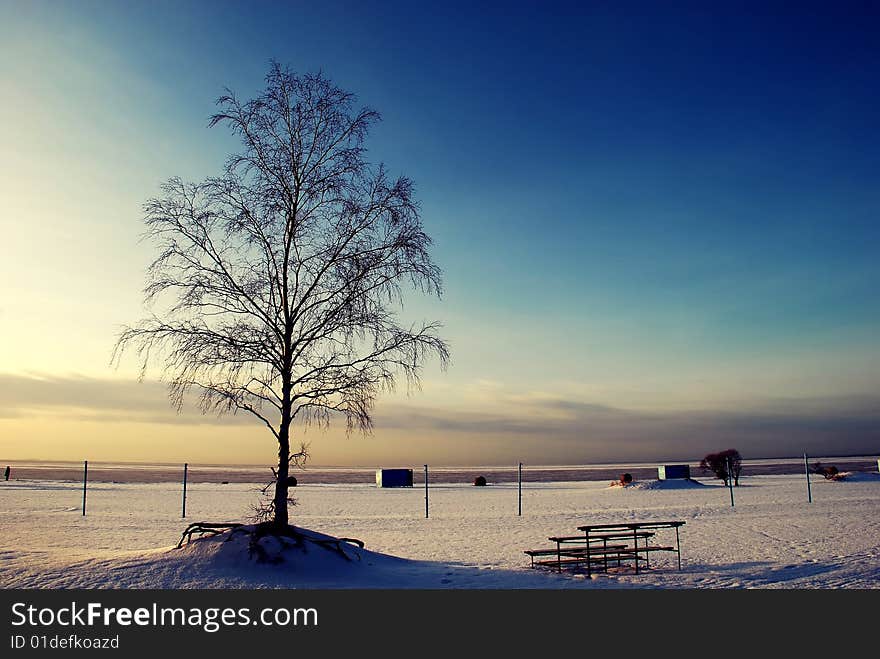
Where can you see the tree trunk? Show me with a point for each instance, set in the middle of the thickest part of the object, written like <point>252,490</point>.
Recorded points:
<point>283,470</point>
<point>281,485</point>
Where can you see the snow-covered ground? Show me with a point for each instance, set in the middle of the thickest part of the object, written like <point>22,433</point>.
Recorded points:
<point>772,538</point>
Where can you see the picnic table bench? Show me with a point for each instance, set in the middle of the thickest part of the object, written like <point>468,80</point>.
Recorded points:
<point>571,555</point>
<point>575,550</point>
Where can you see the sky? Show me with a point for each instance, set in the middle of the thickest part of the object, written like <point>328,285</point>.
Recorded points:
<point>657,223</point>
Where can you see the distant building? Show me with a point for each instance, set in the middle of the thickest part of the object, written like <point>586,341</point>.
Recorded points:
<point>394,478</point>
<point>669,472</point>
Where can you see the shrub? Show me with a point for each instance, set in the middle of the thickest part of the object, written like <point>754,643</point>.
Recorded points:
<point>480,481</point>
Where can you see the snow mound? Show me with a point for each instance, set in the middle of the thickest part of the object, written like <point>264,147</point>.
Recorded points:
<point>238,558</point>
<point>675,484</point>
<point>306,559</point>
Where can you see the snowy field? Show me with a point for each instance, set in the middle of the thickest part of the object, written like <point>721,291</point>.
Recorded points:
<point>772,538</point>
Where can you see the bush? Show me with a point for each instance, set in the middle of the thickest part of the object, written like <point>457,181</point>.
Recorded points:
<point>480,481</point>
<point>291,481</point>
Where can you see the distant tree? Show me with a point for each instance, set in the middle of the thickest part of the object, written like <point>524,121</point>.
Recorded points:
<point>725,465</point>
<point>277,284</point>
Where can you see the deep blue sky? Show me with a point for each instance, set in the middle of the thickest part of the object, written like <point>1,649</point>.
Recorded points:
<point>642,205</point>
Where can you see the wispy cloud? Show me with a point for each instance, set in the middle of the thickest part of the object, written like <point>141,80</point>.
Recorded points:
<point>562,428</point>
<point>765,427</point>
<point>97,399</point>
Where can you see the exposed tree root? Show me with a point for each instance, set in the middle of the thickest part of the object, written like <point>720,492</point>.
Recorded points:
<point>202,528</point>
<point>261,538</point>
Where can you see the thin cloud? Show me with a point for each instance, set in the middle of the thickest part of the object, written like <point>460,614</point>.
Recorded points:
<point>561,426</point>
<point>782,427</point>
<point>97,399</point>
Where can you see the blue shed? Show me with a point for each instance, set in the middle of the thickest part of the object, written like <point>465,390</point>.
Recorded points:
<point>668,472</point>
<point>394,478</point>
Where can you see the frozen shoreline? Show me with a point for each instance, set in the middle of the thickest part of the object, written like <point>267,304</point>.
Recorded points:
<point>164,473</point>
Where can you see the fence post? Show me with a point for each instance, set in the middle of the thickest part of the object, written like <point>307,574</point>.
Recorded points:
<point>426,491</point>
<point>185,468</point>
<point>730,479</point>
<point>85,480</point>
<point>519,510</point>
<point>807,474</point>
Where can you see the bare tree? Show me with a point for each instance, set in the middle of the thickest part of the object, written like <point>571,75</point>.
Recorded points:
<point>277,286</point>
<point>725,465</point>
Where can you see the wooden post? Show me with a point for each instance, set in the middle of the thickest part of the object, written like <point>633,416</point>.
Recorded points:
<point>519,510</point>
<point>85,480</point>
<point>589,562</point>
<point>807,474</point>
<point>636,547</point>
<point>426,491</point>
<point>185,468</point>
<point>678,547</point>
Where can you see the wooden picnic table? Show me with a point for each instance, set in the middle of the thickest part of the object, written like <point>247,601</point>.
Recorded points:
<point>634,530</point>
<point>619,541</point>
